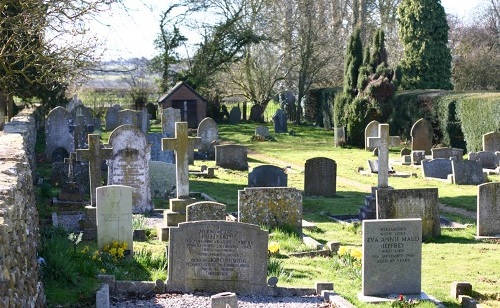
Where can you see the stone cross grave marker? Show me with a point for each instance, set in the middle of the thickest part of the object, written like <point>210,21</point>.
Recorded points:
<point>71,164</point>
<point>383,142</point>
<point>114,215</point>
<point>94,155</point>
<point>181,144</point>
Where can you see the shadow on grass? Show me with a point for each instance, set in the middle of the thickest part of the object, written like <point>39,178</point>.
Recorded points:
<point>226,193</point>
<point>447,239</point>
<point>344,203</point>
<point>464,202</point>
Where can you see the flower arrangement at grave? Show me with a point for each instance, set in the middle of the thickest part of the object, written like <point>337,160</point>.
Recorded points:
<point>116,249</point>
<point>403,302</point>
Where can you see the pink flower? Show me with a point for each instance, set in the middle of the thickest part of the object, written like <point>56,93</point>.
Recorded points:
<point>401,297</point>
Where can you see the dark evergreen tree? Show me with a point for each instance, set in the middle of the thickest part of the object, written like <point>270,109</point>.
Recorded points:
<point>423,31</point>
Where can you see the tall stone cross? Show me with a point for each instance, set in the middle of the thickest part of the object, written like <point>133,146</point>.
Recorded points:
<point>94,155</point>
<point>71,161</point>
<point>383,142</point>
<point>181,144</point>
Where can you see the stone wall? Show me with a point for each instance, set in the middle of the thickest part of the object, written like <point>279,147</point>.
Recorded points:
<point>19,234</point>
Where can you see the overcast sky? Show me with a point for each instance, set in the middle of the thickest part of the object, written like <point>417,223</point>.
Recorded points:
<point>131,33</point>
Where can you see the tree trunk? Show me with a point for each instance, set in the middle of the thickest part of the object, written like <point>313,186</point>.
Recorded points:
<point>3,106</point>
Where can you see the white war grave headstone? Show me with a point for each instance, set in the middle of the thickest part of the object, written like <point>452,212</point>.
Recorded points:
<point>114,216</point>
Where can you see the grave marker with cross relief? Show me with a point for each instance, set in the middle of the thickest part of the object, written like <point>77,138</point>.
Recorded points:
<point>383,142</point>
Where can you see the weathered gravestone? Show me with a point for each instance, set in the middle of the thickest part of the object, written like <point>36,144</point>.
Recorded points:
<point>129,165</point>
<point>86,113</point>
<point>487,160</point>
<point>392,257</point>
<point>161,178</point>
<point>114,216</point>
<point>421,136</point>
<point>448,153</point>
<point>169,117</point>
<point>267,176</point>
<point>152,110</point>
<point>57,135</point>
<point>417,157</point>
<point>235,115</point>
<point>59,175</point>
<point>436,168</point>
<point>127,117</point>
<point>491,142</point>
<point>404,152</point>
<point>280,122</point>
<point>256,113</point>
<point>320,177</point>
<point>231,156</point>
<point>271,207</point>
<point>95,154</point>
<point>205,210</point>
<point>371,130</point>
<point>73,103</point>
<point>97,126</point>
<point>208,132</point>
<point>215,256</point>
<point>111,117</point>
<point>262,131</point>
<point>383,142</point>
<point>70,190</point>
<point>467,172</point>
<point>411,203</point>
<point>488,209</point>
<point>143,120</point>
<point>79,133</point>
<point>154,139</point>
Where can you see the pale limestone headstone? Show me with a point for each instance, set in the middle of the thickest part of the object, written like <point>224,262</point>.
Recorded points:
<point>57,134</point>
<point>320,177</point>
<point>392,257</point>
<point>491,142</point>
<point>114,215</point>
<point>371,130</point>
<point>216,256</point>
<point>421,136</point>
<point>231,156</point>
<point>271,207</point>
<point>488,209</point>
<point>208,132</point>
<point>95,154</point>
<point>262,131</point>
<point>411,203</point>
<point>129,165</point>
<point>205,210</point>
<point>383,142</point>
<point>127,117</point>
<point>161,178</point>
<point>181,144</point>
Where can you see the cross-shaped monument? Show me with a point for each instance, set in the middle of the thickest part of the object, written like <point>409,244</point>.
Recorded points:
<point>181,144</point>
<point>383,142</point>
<point>71,165</point>
<point>94,155</point>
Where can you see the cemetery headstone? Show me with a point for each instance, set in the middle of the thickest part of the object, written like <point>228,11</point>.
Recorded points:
<point>487,160</point>
<point>95,154</point>
<point>392,257</point>
<point>143,120</point>
<point>488,209</point>
<point>436,168</point>
<point>421,136</point>
<point>59,175</point>
<point>371,130</point>
<point>383,142</point>
<point>417,157</point>
<point>97,126</point>
<point>73,103</point>
<point>262,131</point>
<point>467,172</point>
<point>280,122</point>
<point>88,118</point>
<point>271,206</point>
<point>127,117</point>
<point>114,216</point>
<point>111,118</point>
<point>154,139</point>
<point>208,132</point>
<point>320,177</point>
<point>411,203</point>
<point>205,210</point>
<point>491,142</point>
<point>215,256</point>
<point>235,115</point>
<point>256,113</point>
<point>58,135</point>
<point>169,117</point>
<point>404,152</point>
<point>447,153</point>
<point>231,156</point>
<point>161,178</point>
<point>152,110</point>
<point>80,133</point>
<point>70,190</point>
<point>267,176</point>
<point>129,165</point>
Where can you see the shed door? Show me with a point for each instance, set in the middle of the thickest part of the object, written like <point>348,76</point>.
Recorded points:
<point>188,111</point>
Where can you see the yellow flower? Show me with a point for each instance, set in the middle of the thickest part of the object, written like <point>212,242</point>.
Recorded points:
<point>106,247</point>
<point>85,249</point>
<point>273,247</point>
<point>125,245</point>
<point>343,250</point>
<point>120,252</point>
<point>102,270</point>
<point>356,254</point>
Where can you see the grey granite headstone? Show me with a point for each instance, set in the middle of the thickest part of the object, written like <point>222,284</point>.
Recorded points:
<point>487,160</point>
<point>421,136</point>
<point>215,256</point>
<point>127,117</point>
<point>161,178</point>
<point>267,176</point>
<point>392,257</point>
<point>73,103</point>
<point>111,118</point>
<point>491,142</point>
<point>231,156</point>
<point>271,207</point>
<point>320,177</point>
<point>280,122</point>
<point>168,119</point>
<point>411,203</point>
<point>57,134</point>
<point>262,131</point>
<point>129,165</point>
<point>488,209</point>
<point>467,172</point>
<point>208,132</point>
<point>437,168</point>
<point>405,152</point>
<point>417,157</point>
<point>154,139</point>
<point>205,210</point>
<point>447,153</point>
<point>81,110</point>
<point>371,130</point>
<point>235,115</point>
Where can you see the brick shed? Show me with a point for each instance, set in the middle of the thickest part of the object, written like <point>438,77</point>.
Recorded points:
<point>193,107</point>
